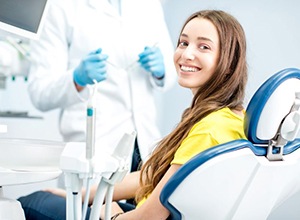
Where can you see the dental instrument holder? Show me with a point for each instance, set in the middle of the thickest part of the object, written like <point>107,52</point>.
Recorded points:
<point>80,161</point>
<point>109,168</point>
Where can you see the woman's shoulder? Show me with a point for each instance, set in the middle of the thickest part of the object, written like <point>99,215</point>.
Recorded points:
<point>225,113</point>
<point>218,120</point>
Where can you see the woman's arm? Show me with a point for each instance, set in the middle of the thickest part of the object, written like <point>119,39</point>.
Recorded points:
<point>126,189</point>
<point>152,208</point>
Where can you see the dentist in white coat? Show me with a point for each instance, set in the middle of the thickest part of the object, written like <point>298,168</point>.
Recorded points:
<point>123,45</point>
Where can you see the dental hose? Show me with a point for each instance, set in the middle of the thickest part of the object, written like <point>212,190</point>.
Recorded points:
<point>90,144</point>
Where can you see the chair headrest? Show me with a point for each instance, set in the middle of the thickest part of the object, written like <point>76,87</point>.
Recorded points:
<point>275,108</point>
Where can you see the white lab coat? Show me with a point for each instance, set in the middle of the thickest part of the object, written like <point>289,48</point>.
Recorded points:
<point>125,101</point>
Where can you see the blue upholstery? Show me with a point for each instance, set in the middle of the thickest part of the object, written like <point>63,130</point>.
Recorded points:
<point>260,98</point>
<point>197,161</point>
<point>256,145</point>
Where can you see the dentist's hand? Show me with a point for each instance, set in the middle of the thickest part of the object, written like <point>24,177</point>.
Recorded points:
<point>152,60</point>
<point>92,67</point>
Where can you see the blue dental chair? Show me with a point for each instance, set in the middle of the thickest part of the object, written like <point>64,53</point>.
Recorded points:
<point>245,179</point>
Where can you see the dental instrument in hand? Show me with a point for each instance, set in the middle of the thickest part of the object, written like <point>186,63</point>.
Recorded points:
<point>136,61</point>
<point>112,64</point>
<point>131,64</point>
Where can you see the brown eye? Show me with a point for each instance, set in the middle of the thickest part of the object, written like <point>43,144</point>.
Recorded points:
<point>204,47</point>
<point>182,44</point>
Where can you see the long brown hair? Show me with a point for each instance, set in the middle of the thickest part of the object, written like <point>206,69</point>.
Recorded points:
<point>226,88</point>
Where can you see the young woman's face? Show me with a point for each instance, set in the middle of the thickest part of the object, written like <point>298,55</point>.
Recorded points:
<point>197,54</point>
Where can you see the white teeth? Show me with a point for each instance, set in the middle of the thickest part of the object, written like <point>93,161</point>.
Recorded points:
<point>189,69</point>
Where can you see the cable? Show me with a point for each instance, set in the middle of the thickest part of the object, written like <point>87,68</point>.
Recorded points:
<point>109,198</point>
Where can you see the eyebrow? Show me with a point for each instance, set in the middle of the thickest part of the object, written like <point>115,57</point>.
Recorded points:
<point>198,38</point>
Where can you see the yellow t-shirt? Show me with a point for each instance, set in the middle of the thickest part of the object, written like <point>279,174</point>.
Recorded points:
<point>216,128</point>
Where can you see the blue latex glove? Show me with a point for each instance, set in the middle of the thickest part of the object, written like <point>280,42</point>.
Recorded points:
<point>152,60</point>
<point>92,67</point>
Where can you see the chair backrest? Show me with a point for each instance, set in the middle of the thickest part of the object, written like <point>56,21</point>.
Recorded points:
<point>245,179</point>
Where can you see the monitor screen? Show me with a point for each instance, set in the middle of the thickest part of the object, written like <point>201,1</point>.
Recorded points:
<point>22,17</point>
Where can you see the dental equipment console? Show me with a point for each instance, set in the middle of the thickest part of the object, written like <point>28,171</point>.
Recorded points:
<point>81,162</point>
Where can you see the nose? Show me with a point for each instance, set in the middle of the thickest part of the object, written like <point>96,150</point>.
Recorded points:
<point>189,53</point>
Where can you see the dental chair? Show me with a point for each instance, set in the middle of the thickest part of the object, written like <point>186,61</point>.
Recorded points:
<point>245,179</point>
<point>24,161</point>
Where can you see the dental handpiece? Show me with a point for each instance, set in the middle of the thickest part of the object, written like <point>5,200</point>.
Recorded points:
<point>90,124</point>
<point>90,132</point>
